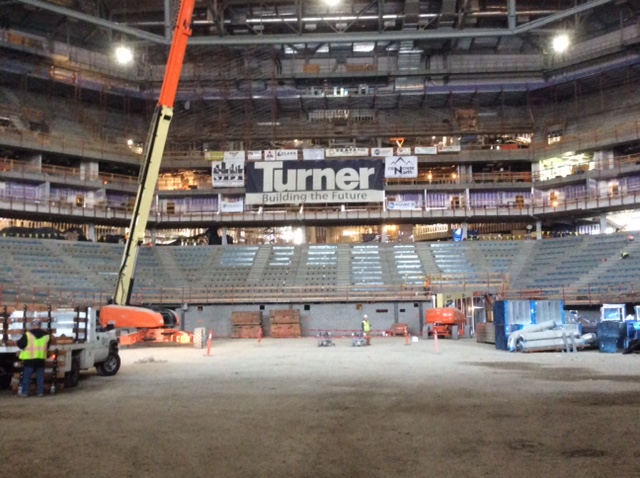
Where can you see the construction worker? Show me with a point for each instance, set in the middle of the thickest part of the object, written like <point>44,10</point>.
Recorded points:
<point>34,345</point>
<point>366,329</point>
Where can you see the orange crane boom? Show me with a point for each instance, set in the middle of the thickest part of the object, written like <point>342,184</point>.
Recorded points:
<point>121,313</point>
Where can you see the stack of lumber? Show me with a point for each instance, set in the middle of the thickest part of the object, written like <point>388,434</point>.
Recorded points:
<point>486,333</point>
<point>246,325</point>
<point>285,323</point>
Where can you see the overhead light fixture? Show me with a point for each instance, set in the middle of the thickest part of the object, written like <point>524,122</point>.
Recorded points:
<point>560,43</point>
<point>331,3</point>
<point>124,54</point>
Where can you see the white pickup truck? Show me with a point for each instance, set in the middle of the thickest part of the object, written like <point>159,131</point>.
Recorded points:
<point>78,342</point>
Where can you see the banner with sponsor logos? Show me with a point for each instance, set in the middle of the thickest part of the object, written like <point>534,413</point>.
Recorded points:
<point>213,155</point>
<point>401,167</point>
<point>281,155</point>
<point>402,205</point>
<point>449,149</point>
<point>284,182</point>
<point>346,152</point>
<point>228,173</point>
<point>425,150</point>
<point>233,155</point>
<point>381,152</point>
<point>402,152</point>
<point>231,203</point>
<point>255,155</point>
<point>314,154</point>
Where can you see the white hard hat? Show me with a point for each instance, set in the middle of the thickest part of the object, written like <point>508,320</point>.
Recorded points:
<point>366,316</point>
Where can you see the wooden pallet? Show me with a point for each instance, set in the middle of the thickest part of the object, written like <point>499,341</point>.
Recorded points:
<point>246,331</point>
<point>486,333</point>
<point>286,316</point>
<point>282,331</point>
<point>246,318</point>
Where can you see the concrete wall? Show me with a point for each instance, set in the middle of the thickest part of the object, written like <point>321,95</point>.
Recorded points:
<point>335,317</point>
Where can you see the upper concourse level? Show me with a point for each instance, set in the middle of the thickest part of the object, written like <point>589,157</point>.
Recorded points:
<point>73,126</point>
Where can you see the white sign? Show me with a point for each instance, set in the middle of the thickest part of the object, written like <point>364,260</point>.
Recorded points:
<point>425,150</point>
<point>449,149</point>
<point>228,173</point>
<point>402,205</point>
<point>270,155</point>
<point>401,167</point>
<point>231,155</point>
<point>346,152</point>
<point>313,154</point>
<point>231,204</point>
<point>403,151</point>
<point>381,152</point>
<point>286,154</point>
<point>255,155</point>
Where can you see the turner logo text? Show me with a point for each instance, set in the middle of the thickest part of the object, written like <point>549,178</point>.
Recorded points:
<point>279,182</point>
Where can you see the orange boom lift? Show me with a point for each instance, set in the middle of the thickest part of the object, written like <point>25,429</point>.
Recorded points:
<point>152,324</point>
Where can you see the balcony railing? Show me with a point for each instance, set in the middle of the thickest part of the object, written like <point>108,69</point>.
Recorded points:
<point>495,284</point>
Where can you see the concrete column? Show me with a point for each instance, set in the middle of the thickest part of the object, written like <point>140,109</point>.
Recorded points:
<point>92,232</point>
<point>35,162</point>
<point>603,223</point>
<point>464,231</point>
<point>311,235</point>
<point>223,231</point>
<point>154,235</point>
<point>538,230</point>
<point>383,234</point>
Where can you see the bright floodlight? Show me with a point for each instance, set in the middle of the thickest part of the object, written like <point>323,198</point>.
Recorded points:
<point>560,43</point>
<point>124,55</point>
<point>331,3</point>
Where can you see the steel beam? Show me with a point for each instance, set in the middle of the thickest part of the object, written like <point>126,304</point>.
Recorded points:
<point>95,20</point>
<point>511,12</point>
<point>561,15</point>
<point>412,35</point>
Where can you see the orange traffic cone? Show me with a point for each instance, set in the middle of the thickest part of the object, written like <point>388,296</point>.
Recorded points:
<point>209,341</point>
<point>435,338</point>
<point>406,337</point>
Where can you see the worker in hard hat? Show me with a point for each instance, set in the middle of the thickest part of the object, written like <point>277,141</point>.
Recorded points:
<point>34,344</point>
<point>366,329</point>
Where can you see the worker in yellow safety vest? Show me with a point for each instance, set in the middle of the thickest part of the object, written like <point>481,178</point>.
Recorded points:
<point>366,329</point>
<point>34,344</point>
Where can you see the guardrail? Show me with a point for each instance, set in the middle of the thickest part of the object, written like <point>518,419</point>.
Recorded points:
<point>493,284</point>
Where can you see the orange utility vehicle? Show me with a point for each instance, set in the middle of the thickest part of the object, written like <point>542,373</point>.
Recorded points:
<point>446,322</point>
<point>151,324</point>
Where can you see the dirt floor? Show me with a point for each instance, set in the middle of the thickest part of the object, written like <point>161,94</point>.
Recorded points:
<point>286,408</point>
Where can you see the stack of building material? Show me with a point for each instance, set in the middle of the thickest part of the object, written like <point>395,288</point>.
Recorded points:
<point>509,316</point>
<point>285,323</point>
<point>246,325</point>
<point>486,333</point>
<point>549,336</point>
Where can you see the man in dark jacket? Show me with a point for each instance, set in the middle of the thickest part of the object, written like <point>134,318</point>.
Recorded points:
<point>34,345</point>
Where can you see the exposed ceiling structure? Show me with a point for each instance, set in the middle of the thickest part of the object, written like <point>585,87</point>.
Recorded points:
<point>255,65</point>
<point>514,25</point>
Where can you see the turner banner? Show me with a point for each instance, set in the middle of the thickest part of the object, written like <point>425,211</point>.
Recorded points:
<point>294,182</point>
